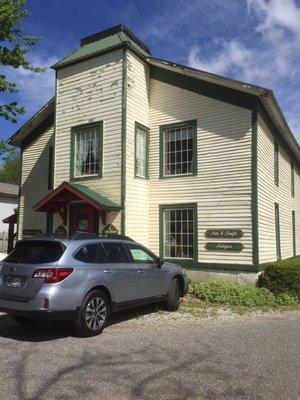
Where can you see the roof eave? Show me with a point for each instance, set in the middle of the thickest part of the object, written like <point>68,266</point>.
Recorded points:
<point>33,122</point>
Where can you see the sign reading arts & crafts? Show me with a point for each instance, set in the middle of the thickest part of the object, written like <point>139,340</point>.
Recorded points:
<point>223,246</point>
<point>226,233</point>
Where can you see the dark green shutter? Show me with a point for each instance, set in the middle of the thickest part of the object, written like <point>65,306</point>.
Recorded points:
<point>277,232</point>
<point>276,163</point>
<point>294,232</point>
<point>50,168</point>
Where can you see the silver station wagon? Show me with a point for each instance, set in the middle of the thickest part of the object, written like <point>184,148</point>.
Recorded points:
<point>84,279</point>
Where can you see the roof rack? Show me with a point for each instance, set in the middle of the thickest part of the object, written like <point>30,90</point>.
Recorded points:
<point>118,237</point>
<point>84,235</point>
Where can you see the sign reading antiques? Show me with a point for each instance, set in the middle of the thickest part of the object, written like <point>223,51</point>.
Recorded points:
<point>224,233</point>
<point>231,247</point>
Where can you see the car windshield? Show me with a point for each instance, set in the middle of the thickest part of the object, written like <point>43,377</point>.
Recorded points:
<point>36,252</point>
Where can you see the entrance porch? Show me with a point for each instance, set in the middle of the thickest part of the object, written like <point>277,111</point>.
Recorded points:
<point>75,208</point>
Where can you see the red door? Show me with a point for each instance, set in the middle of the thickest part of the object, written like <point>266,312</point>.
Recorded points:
<point>83,218</point>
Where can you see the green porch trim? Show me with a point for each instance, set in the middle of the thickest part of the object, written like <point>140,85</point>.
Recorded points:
<point>146,131</point>
<point>76,129</point>
<point>163,207</point>
<point>182,124</point>
<point>49,222</point>
<point>196,85</point>
<point>254,191</point>
<point>277,231</point>
<point>194,265</point>
<point>97,197</point>
<point>123,142</point>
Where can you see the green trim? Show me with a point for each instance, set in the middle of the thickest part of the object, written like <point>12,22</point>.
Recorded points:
<point>74,130</point>
<point>123,141</point>
<point>292,180</point>
<point>146,131</point>
<point>194,265</point>
<point>163,207</point>
<point>49,222</point>
<point>19,199</point>
<point>276,163</point>
<point>208,89</point>
<point>182,124</point>
<point>277,231</point>
<point>36,132</point>
<point>50,167</point>
<point>294,232</point>
<point>254,191</point>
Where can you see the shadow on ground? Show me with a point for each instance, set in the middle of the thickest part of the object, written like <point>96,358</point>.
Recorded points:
<point>46,331</point>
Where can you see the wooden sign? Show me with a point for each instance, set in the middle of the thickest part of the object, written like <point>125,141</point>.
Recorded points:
<point>225,233</point>
<point>223,246</point>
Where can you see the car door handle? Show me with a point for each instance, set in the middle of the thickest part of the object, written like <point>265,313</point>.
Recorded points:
<point>108,271</point>
<point>141,271</point>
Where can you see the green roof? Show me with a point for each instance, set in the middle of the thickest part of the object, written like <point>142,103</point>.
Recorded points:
<point>103,41</point>
<point>97,197</point>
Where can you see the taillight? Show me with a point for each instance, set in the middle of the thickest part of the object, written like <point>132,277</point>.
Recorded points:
<point>53,275</point>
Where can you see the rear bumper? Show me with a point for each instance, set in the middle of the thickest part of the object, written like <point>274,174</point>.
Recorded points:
<point>44,315</point>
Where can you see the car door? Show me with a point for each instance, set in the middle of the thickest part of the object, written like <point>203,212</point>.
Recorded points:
<point>120,274</point>
<point>152,278</point>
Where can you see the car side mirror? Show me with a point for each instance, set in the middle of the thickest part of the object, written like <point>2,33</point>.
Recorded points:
<point>160,262</point>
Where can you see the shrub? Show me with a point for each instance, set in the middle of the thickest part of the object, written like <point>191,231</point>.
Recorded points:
<point>282,276</point>
<point>230,293</point>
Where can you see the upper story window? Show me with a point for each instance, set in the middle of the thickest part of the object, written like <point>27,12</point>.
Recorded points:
<point>141,151</point>
<point>87,151</point>
<point>276,163</point>
<point>178,149</point>
<point>292,180</point>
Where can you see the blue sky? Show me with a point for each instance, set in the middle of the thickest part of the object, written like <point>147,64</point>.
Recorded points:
<point>257,41</point>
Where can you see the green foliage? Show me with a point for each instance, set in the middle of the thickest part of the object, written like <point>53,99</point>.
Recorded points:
<point>14,49</point>
<point>282,276</point>
<point>233,294</point>
<point>10,168</point>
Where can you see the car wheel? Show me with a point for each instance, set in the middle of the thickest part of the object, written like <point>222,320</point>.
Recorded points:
<point>23,320</point>
<point>93,314</point>
<point>172,299</point>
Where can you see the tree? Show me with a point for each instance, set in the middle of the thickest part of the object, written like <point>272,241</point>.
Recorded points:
<point>14,48</point>
<point>10,168</point>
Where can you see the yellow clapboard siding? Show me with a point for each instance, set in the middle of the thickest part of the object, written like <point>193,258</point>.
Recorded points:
<point>34,182</point>
<point>269,193</point>
<point>222,188</point>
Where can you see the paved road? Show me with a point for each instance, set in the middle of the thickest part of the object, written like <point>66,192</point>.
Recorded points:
<point>238,358</point>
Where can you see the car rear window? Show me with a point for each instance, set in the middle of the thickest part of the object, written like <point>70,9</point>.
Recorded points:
<point>36,252</point>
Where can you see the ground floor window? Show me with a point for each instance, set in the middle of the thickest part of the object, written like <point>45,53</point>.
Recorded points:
<point>178,231</point>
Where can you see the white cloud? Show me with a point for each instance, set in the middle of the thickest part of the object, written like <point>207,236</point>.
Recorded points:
<point>34,88</point>
<point>272,58</point>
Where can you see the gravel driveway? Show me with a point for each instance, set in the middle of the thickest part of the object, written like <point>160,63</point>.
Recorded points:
<point>155,356</point>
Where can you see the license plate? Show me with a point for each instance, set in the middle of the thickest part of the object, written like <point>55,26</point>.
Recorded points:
<point>14,281</point>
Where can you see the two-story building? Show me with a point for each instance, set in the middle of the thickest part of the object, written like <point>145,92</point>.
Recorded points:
<point>202,169</point>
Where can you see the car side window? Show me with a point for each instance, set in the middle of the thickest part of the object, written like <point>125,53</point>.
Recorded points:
<point>87,253</point>
<point>115,252</point>
<point>141,255</point>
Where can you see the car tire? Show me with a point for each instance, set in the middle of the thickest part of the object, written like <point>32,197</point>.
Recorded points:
<point>19,319</point>
<point>93,314</point>
<point>172,298</point>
